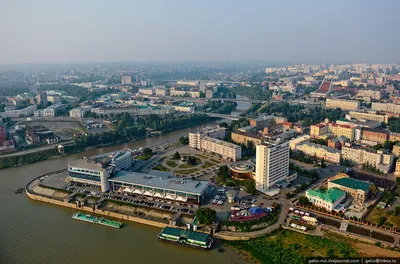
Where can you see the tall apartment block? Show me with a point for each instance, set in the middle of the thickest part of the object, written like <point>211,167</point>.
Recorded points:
<point>272,164</point>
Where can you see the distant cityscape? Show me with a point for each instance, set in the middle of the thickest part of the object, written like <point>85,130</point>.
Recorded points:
<point>309,149</point>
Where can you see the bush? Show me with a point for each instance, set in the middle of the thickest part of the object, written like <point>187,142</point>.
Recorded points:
<point>206,216</point>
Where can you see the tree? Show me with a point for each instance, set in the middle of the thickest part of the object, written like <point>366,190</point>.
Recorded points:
<point>303,201</point>
<point>191,160</point>
<point>184,140</point>
<point>147,152</point>
<point>206,216</point>
<point>176,156</point>
<point>397,210</point>
<point>223,174</point>
<point>250,187</point>
<point>381,220</point>
<point>323,165</point>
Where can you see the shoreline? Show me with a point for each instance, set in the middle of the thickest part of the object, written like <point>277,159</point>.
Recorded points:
<point>111,144</point>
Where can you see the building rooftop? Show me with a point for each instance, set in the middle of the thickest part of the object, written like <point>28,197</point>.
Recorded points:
<point>331,195</point>
<point>167,183</point>
<point>247,134</point>
<point>86,163</point>
<point>352,183</point>
<point>221,142</point>
<point>192,235</point>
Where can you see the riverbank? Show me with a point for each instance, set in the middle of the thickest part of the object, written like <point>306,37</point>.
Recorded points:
<point>42,155</point>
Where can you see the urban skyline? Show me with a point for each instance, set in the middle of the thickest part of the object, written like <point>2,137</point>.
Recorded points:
<point>124,31</point>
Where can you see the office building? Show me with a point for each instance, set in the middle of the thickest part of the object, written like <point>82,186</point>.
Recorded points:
<point>225,149</point>
<point>135,111</point>
<point>397,169</point>
<point>54,98</point>
<point>375,135</point>
<point>27,111</point>
<point>342,104</point>
<point>328,199</point>
<point>79,112</point>
<point>318,129</point>
<point>322,152</point>
<point>367,116</point>
<point>126,79</point>
<point>293,143</point>
<point>246,137</point>
<point>209,93</point>
<point>385,107</point>
<point>357,189</point>
<point>272,164</point>
<point>98,169</point>
<point>369,94</point>
<point>50,111</point>
<point>357,154</point>
<point>42,98</point>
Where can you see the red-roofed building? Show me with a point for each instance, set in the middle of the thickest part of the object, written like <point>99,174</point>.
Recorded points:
<point>324,90</point>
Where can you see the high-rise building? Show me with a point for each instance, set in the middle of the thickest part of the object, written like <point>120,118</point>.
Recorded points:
<point>42,98</point>
<point>272,164</point>
<point>126,79</point>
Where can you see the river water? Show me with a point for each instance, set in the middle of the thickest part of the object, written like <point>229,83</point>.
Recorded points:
<point>34,232</point>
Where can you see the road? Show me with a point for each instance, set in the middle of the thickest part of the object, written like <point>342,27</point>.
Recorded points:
<point>34,150</point>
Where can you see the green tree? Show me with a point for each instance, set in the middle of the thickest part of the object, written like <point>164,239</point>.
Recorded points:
<point>250,187</point>
<point>176,156</point>
<point>206,216</point>
<point>381,220</point>
<point>397,210</point>
<point>184,140</point>
<point>303,201</point>
<point>147,152</point>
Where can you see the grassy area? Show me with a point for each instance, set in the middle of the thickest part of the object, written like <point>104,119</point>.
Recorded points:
<point>171,163</point>
<point>185,166</point>
<point>216,161</point>
<point>202,156</point>
<point>391,218</point>
<point>207,165</point>
<point>144,157</point>
<point>160,167</point>
<point>285,246</point>
<point>187,171</point>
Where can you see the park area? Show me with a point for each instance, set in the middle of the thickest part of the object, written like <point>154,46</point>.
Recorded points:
<point>189,164</point>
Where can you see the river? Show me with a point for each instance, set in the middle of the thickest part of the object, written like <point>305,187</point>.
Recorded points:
<point>34,232</point>
<point>241,105</point>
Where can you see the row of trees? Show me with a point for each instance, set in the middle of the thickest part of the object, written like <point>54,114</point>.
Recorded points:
<point>371,168</point>
<point>220,107</point>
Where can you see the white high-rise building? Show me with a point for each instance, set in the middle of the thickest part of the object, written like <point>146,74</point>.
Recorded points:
<point>272,164</point>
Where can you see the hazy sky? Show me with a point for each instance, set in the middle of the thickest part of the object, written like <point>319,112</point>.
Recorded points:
<point>116,30</point>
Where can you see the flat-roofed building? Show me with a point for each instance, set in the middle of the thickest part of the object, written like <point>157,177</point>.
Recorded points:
<point>322,152</point>
<point>386,107</point>
<point>293,143</point>
<point>372,94</point>
<point>357,154</point>
<point>375,135</point>
<point>357,189</point>
<point>397,169</point>
<point>318,129</point>
<point>245,137</point>
<point>328,199</point>
<point>225,149</point>
<point>126,79</point>
<point>396,149</point>
<point>342,130</point>
<point>272,164</point>
<point>368,116</point>
<point>394,136</point>
<point>342,104</point>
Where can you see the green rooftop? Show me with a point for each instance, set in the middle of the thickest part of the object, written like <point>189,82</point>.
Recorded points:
<point>178,232</point>
<point>353,183</point>
<point>330,196</point>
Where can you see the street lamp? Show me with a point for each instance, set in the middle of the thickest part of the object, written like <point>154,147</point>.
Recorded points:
<point>370,232</point>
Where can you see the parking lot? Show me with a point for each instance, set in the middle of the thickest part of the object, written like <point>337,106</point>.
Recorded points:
<point>149,202</point>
